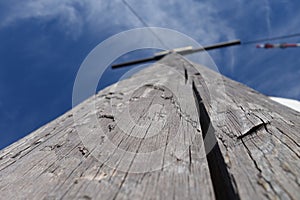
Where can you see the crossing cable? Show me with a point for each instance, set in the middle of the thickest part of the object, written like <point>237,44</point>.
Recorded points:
<point>181,51</point>
<point>143,22</point>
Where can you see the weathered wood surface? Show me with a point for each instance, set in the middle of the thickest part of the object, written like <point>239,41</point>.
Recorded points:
<point>182,132</point>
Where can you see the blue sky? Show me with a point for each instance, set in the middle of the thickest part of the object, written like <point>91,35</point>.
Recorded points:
<point>44,42</point>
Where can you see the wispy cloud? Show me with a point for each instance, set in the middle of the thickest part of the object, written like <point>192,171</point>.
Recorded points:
<point>197,19</point>
<point>267,8</point>
<point>65,12</point>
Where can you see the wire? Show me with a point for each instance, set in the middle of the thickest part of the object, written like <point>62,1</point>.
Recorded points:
<point>143,22</point>
<point>272,38</point>
<point>135,13</point>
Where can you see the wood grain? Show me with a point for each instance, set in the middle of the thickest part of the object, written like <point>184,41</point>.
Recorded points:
<point>178,131</point>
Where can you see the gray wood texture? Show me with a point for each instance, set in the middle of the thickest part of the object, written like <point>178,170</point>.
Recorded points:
<point>180,131</point>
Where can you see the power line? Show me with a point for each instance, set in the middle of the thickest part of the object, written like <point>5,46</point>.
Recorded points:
<point>143,22</point>
<point>135,13</point>
<point>181,51</point>
<point>272,38</point>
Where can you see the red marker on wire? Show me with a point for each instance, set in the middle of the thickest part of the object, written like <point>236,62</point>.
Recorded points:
<point>282,45</point>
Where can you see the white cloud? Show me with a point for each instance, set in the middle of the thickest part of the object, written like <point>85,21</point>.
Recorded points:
<point>197,19</point>
<point>63,11</point>
<point>291,103</point>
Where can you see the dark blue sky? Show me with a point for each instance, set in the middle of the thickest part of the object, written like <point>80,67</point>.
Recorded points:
<point>43,44</point>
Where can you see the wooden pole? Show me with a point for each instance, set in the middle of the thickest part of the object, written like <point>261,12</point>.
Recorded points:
<point>218,139</point>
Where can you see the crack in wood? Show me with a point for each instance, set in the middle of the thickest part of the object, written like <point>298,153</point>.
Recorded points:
<point>262,181</point>
<point>253,130</point>
<point>108,116</point>
<point>83,150</point>
<point>20,152</point>
<point>186,75</point>
<point>224,187</point>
